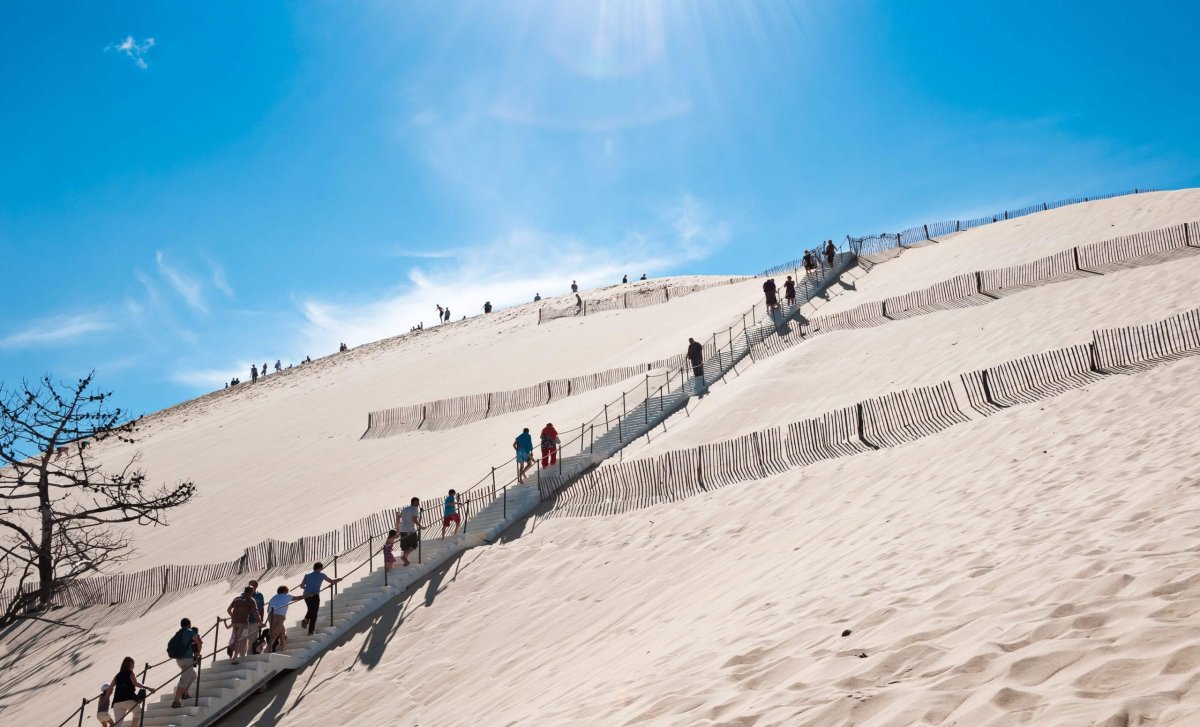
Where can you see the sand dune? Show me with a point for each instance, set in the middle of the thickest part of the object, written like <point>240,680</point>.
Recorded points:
<point>1031,567</point>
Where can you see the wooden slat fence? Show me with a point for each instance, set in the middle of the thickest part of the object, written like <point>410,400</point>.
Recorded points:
<point>1134,348</point>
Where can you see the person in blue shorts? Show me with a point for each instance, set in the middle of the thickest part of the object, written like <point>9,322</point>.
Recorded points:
<point>523,444</point>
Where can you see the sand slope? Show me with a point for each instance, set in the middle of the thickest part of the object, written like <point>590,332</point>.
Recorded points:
<point>1033,567</point>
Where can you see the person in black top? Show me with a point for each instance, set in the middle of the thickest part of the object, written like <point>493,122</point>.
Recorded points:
<point>578,304</point>
<point>769,292</point>
<point>624,278</point>
<point>125,697</point>
<point>487,307</point>
<point>830,252</point>
<point>810,262</point>
<point>574,287</point>
<point>643,276</point>
<point>695,354</point>
<point>789,290</point>
<point>537,297</point>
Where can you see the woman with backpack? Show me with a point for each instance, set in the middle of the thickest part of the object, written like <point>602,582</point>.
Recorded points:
<point>185,647</point>
<point>128,694</point>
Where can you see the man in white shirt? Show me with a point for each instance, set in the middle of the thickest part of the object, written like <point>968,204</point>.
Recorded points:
<point>408,524</point>
<point>277,609</point>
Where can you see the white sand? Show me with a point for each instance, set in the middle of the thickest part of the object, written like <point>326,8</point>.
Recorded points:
<point>1034,567</point>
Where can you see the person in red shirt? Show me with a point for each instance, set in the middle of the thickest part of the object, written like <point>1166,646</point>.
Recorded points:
<point>549,446</point>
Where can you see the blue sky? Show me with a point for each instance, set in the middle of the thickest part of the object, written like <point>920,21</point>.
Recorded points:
<point>187,189</point>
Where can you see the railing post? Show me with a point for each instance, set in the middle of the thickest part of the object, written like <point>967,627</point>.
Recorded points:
<point>420,540</point>
<point>333,591</point>
<point>82,709</point>
<point>199,668</point>
<point>646,406</point>
<point>591,438</point>
<point>493,483</point>
<point>620,426</point>
<point>371,553</point>
<point>216,640</point>
<point>506,502</point>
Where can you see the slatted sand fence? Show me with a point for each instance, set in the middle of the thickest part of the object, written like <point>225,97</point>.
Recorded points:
<point>456,411</point>
<point>1030,378</point>
<point>1141,248</point>
<point>1015,278</point>
<point>836,433</point>
<point>905,416</point>
<point>397,420</point>
<point>1135,348</point>
<point>961,291</point>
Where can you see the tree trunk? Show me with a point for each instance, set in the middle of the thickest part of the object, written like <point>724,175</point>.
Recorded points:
<point>46,543</point>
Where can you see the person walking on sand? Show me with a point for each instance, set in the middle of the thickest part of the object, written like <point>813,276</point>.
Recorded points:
<point>408,523</point>
<point>578,304</point>
<point>450,513</point>
<point>278,366</point>
<point>549,446</point>
<point>185,647</point>
<point>523,444</point>
<point>277,609</point>
<point>574,287</point>
<point>440,313</point>
<point>810,262</point>
<point>769,293</point>
<point>124,691</point>
<point>253,373</point>
<point>830,252</point>
<point>789,291</point>
<point>312,583</point>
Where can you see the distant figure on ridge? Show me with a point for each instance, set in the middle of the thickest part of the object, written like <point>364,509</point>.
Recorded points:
<point>769,293</point>
<point>695,354</point>
<point>253,373</point>
<point>523,445</point>
<point>574,287</point>
<point>487,307</point>
<point>308,359</point>
<point>549,445</point>
<point>440,313</point>
<point>537,297</point>
<point>624,278</point>
<point>830,252</point>
<point>264,368</point>
<point>450,513</point>
<point>278,366</point>
<point>643,276</point>
<point>408,524</point>
<point>447,316</point>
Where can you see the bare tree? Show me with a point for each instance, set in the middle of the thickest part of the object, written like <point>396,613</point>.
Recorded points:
<point>64,515</point>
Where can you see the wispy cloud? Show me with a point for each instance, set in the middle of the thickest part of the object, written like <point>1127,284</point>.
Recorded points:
<point>210,378</point>
<point>184,284</point>
<point>685,231</point>
<point>133,50</point>
<point>57,331</point>
<point>219,280</point>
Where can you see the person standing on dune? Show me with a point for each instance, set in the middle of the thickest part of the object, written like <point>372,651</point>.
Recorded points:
<point>440,313</point>
<point>253,373</point>
<point>447,316</point>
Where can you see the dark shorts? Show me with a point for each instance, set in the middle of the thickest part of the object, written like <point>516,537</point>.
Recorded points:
<point>409,541</point>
